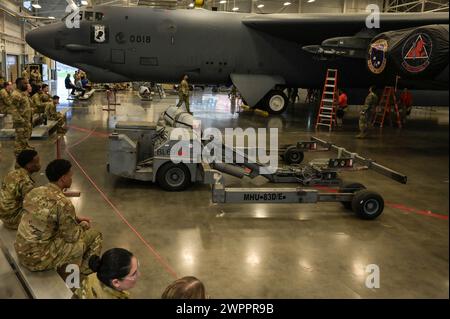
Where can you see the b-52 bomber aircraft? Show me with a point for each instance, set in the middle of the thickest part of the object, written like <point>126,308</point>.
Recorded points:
<point>261,54</point>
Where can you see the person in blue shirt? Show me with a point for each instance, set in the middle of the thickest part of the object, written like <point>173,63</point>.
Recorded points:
<point>69,85</point>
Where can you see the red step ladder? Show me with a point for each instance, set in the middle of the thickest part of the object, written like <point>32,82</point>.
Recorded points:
<point>384,109</point>
<point>329,101</point>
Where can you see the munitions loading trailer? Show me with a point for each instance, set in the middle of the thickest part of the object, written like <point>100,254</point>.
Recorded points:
<point>353,196</point>
<point>142,151</point>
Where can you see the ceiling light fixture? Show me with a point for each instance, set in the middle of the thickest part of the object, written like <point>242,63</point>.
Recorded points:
<point>52,18</point>
<point>84,3</point>
<point>311,1</point>
<point>235,8</point>
<point>259,6</point>
<point>287,4</point>
<point>191,5</point>
<point>36,5</point>
<point>223,1</point>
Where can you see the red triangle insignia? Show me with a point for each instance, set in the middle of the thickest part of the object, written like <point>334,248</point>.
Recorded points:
<point>418,50</point>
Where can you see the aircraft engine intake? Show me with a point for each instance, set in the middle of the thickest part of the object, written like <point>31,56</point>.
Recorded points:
<point>416,53</point>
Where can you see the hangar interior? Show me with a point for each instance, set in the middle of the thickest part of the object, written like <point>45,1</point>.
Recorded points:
<point>249,250</point>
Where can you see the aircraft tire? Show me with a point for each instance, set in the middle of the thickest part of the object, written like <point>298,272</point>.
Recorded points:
<point>276,102</point>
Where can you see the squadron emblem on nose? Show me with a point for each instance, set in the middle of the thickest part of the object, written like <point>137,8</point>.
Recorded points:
<point>377,56</point>
<point>416,53</point>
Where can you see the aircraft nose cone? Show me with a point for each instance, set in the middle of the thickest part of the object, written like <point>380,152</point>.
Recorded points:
<point>37,39</point>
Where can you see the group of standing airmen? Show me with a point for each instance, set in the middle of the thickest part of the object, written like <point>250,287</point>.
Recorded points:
<point>22,104</point>
<point>35,75</point>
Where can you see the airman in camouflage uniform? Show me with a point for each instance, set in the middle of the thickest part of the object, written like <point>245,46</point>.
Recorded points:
<point>115,273</point>
<point>15,186</point>
<point>50,234</point>
<point>5,98</point>
<point>45,96</point>
<point>92,288</point>
<point>53,115</point>
<point>22,116</point>
<point>184,94</point>
<point>35,76</point>
<point>38,104</point>
<point>366,112</point>
<point>25,74</point>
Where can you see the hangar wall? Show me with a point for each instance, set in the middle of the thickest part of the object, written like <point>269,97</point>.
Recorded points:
<point>298,6</point>
<point>13,47</point>
<point>333,6</point>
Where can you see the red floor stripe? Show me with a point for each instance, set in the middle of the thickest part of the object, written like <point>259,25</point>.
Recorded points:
<point>82,139</point>
<point>81,129</point>
<point>401,207</point>
<point>406,209</point>
<point>158,257</point>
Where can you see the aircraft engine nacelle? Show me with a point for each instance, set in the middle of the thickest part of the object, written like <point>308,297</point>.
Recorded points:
<point>416,54</point>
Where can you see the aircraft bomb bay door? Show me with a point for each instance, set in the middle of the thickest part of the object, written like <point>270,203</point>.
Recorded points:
<point>218,61</point>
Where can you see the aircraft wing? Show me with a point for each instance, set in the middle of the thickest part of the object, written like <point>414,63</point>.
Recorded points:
<point>315,28</point>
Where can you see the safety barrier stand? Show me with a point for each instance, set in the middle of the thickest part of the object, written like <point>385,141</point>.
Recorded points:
<point>111,95</point>
<point>58,156</point>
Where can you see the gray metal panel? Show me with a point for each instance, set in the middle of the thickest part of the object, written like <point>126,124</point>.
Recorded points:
<point>272,195</point>
<point>122,156</point>
<point>254,87</point>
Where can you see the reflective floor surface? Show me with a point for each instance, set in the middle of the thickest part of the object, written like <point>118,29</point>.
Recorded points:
<point>269,251</point>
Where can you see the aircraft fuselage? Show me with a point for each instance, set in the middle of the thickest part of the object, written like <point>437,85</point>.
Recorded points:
<point>145,44</point>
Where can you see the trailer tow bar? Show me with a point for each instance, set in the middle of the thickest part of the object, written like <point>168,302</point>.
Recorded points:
<point>370,164</point>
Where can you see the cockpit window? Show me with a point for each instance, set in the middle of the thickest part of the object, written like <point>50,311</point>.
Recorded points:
<point>89,16</point>
<point>67,16</point>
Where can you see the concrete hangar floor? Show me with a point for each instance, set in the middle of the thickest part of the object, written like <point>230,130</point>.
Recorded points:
<point>269,251</point>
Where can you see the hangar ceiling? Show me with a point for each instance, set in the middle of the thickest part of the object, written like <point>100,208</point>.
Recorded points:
<point>56,8</point>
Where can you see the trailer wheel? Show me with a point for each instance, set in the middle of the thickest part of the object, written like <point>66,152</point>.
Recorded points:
<point>276,102</point>
<point>173,177</point>
<point>367,205</point>
<point>350,188</point>
<point>293,155</point>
